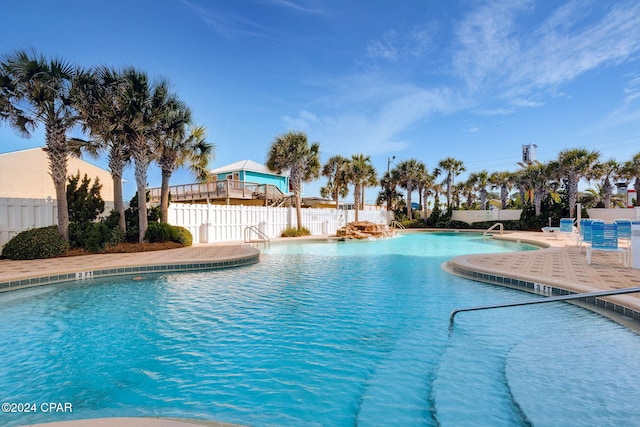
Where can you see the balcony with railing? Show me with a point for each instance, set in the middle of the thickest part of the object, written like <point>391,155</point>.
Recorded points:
<point>228,190</point>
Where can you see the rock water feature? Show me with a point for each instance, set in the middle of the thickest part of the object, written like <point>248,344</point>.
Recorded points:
<point>365,230</point>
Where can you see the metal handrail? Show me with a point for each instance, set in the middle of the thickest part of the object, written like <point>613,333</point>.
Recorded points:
<point>497,224</point>
<point>263,238</point>
<point>396,224</point>
<point>545,300</point>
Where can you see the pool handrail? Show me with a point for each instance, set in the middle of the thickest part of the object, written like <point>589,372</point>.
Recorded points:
<point>545,300</point>
<point>262,237</point>
<point>497,224</point>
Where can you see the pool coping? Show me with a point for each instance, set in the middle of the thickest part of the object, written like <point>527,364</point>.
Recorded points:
<point>624,309</point>
<point>171,261</point>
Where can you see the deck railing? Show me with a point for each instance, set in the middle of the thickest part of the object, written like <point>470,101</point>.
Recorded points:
<point>228,188</point>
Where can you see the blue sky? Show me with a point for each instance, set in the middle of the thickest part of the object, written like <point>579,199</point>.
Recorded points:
<point>413,79</point>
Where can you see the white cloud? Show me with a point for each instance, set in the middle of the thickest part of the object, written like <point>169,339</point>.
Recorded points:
<point>394,46</point>
<point>580,36</point>
<point>370,115</point>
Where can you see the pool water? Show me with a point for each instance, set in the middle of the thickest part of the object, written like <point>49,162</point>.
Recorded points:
<point>326,334</point>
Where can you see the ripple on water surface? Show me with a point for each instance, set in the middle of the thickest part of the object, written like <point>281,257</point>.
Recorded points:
<point>315,334</point>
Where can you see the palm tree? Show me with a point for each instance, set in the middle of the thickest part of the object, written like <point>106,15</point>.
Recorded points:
<point>453,167</point>
<point>408,174</point>
<point>176,146</point>
<point>607,171</point>
<point>144,104</point>
<point>388,194</point>
<point>504,181</point>
<point>335,171</point>
<point>97,97</point>
<point>631,169</point>
<point>360,173</point>
<point>36,90</point>
<point>536,177</point>
<point>596,198</point>
<point>425,189</point>
<point>573,165</point>
<point>292,153</point>
<point>480,181</point>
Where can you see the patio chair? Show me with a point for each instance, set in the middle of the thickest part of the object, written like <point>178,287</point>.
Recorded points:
<point>584,235</point>
<point>566,229</point>
<point>604,237</point>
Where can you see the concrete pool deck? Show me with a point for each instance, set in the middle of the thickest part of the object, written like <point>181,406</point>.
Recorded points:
<point>559,264</point>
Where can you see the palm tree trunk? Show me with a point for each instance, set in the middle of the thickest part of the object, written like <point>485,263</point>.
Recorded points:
<point>117,170</point>
<point>573,194</point>
<point>118,203</point>
<point>409,207</point>
<point>141,163</point>
<point>356,199</point>
<point>298,209</point>
<point>164,197</point>
<point>57,151</point>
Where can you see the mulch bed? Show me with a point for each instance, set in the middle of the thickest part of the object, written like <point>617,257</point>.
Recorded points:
<point>125,248</point>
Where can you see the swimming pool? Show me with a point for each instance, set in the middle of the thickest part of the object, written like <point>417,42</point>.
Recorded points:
<point>317,334</point>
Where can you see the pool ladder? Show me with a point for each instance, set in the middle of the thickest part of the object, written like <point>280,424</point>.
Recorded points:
<point>545,300</point>
<point>497,224</point>
<point>261,236</point>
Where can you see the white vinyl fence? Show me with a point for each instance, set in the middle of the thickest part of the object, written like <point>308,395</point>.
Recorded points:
<point>17,215</point>
<point>217,223</point>
<point>207,223</point>
<point>471,216</point>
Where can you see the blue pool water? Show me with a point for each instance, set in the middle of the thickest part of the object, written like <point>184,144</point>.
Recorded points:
<point>326,334</point>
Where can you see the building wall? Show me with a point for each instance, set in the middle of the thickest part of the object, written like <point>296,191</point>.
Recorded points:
<point>282,182</point>
<point>25,174</point>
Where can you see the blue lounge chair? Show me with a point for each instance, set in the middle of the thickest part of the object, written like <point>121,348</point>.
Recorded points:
<point>584,236</point>
<point>566,229</point>
<point>604,237</point>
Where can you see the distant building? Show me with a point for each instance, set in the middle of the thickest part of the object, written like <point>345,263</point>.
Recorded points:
<point>245,182</point>
<point>529,153</point>
<point>25,174</point>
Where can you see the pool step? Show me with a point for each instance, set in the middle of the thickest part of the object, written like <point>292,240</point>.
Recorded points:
<point>556,383</point>
<point>395,392</point>
<point>470,389</point>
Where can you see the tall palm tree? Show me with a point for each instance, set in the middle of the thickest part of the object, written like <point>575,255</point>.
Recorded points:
<point>631,169</point>
<point>573,165</point>
<point>480,181</point>
<point>335,171</point>
<point>144,104</point>
<point>536,177</point>
<point>97,96</point>
<point>178,145</point>
<point>606,171</point>
<point>408,174</point>
<point>453,167</point>
<point>425,187</point>
<point>36,90</point>
<point>292,153</point>
<point>360,173</point>
<point>503,180</point>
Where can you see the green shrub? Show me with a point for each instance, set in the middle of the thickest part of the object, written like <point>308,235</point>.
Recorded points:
<point>92,236</point>
<point>184,236</point>
<point>295,232</point>
<point>36,243</point>
<point>158,233</point>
